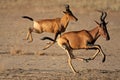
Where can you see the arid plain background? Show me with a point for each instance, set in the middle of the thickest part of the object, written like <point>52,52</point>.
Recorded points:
<point>20,60</point>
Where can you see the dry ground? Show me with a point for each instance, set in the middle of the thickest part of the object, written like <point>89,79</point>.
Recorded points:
<point>20,60</point>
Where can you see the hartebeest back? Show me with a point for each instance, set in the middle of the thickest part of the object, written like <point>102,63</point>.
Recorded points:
<point>56,26</point>
<point>84,39</point>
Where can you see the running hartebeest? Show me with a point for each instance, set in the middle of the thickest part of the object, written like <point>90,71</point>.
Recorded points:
<point>84,39</point>
<point>56,26</point>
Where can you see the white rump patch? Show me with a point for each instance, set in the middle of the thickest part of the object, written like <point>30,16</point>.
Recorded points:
<point>36,25</point>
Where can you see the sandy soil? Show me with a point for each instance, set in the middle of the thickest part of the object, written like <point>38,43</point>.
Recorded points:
<point>20,60</point>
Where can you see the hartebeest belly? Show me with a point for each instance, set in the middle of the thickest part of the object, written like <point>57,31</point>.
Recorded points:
<point>48,25</point>
<point>75,39</point>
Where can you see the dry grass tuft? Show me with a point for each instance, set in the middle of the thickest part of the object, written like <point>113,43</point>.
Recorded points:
<point>16,51</point>
<point>39,53</point>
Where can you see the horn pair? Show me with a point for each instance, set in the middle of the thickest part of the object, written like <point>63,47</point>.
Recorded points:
<point>103,16</point>
<point>67,7</point>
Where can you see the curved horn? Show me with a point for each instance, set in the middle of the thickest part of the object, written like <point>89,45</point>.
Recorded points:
<point>101,17</point>
<point>105,14</point>
<point>67,6</point>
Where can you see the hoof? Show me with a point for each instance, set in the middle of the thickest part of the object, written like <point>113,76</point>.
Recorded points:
<point>48,43</point>
<point>25,39</point>
<point>44,49</point>
<point>103,60</point>
<point>87,60</point>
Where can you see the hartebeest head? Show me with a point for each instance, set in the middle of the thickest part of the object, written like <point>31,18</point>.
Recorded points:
<point>102,26</point>
<point>69,13</point>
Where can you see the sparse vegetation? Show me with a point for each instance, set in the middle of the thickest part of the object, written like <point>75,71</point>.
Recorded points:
<point>16,51</point>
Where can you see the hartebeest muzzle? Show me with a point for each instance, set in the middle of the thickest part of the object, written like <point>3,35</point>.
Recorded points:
<point>108,37</point>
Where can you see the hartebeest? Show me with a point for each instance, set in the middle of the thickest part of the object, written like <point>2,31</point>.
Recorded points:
<point>84,39</point>
<point>56,26</point>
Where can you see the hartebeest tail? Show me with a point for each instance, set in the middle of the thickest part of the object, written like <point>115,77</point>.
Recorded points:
<point>56,26</point>
<point>84,39</point>
<point>31,19</point>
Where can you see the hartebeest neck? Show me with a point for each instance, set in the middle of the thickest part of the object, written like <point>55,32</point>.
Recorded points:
<point>95,34</point>
<point>65,21</point>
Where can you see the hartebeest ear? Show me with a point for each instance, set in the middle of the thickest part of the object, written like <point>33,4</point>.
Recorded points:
<point>107,22</point>
<point>97,22</point>
<point>64,12</point>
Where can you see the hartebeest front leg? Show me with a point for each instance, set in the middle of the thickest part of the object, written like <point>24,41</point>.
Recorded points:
<point>93,57</point>
<point>98,50</point>
<point>53,41</point>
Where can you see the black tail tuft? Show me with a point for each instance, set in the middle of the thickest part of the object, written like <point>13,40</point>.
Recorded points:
<point>47,38</point>
<point>27,18</point>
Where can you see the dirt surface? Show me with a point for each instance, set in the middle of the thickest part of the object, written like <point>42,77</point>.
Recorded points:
<point>20,60</point>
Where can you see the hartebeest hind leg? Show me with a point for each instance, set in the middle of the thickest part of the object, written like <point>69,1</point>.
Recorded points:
<point>70,61</point>
<point>70,57</point>
<point>29,35</point>
<point>98,50</point>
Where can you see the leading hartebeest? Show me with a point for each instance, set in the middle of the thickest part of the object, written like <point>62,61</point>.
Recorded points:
<point>84,39</point>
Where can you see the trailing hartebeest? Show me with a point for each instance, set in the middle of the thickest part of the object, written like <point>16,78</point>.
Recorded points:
<point>56,26</point>
<point>84,39</point>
